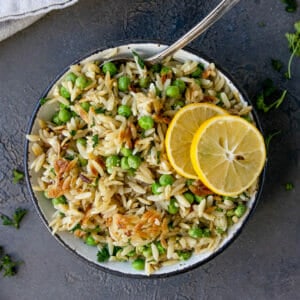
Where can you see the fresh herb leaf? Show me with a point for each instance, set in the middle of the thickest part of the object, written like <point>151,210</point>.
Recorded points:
<point>8,266</point>
<point>289,186</point>
<point>16,219</point>
<point>6,221</point>
<point>270,137</point>
<point>103,254</point>
<point>77,226</point>
<point>95,139</point>
<point>269,91</point>
<point>43,101</point>
<point>291,5</point>
<point>73,132</point>
<point>294,46</point>
<point>276,64</point>
<point>100,110</point>
<point>17,176</point>
<point>138,59</point>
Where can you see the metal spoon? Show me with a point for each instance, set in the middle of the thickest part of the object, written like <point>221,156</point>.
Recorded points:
<point>223,7</point>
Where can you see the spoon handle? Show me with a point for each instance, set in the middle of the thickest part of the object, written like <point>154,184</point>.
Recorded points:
<point>203,25</point>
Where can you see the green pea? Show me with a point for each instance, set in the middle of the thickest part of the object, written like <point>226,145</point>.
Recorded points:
<point>144,82</point>
<point>64,92</point>
<point>90,241</point>
<point>146,122</point>
<point>124,110</point>
<point>81,82</point>
<point>134,161</point>
<point>85,106</point>
<point>184,255</point>
<point>71,77</point>
<point>240,210</point>
<point>138,264</point>
<point>64,115</point>
<point>165,71</point>
<point>173,206</point>
<point>199,198</point>
<point>126,151</point>
<point>83,162</point>
<point>166,179</point>
<point>59,200</point>
<point>189,197</point>
<point>131,172</point>
<point>198,71</point>
<point>123,83</point>
<point>112,161</point>
<point>156,68</point>
<point>81,141</point>
<point>195,232</point>
<point>55,119</point>
<point>110,67</point>
<point>173,92</point>
<point>181,85</point>
<point>124,163</point>
<point>155,188</point>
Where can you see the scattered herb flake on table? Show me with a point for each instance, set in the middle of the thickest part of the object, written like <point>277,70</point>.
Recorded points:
<point>15,220</point>
<point>289,186</point>
<point>294,46</point>
<point>17,176</point>
<point>7,265</point>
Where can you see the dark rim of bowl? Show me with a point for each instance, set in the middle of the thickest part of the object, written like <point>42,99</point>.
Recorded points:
<point>103,268</point>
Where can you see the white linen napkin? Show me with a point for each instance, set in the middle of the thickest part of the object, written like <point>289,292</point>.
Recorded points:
<point>16,15</point>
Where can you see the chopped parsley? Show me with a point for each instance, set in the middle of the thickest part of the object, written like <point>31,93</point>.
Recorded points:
<point>7,265</point>
<point>138,59</point>
<point>294,46</point>
<point>291,5</point>
<point>17,176</point>
<point>43,101</point>
<point>103,255</point>
<point>73,132</point>
<point>15,220</point>
<point>289,186</point>
<point>95,139</point>
<point>268,93</point>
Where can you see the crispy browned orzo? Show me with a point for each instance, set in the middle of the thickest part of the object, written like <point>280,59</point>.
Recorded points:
<point>101,160</point>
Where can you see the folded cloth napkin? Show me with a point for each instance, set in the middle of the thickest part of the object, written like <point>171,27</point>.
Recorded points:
<point>16,15</point>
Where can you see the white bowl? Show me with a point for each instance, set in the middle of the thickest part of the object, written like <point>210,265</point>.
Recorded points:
<point>76,245</point>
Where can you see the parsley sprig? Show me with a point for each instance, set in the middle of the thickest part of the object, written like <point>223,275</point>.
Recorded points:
<point>15,220</point>
<point>294,46</point>
<point>269,93</point>
<point>7,265</point>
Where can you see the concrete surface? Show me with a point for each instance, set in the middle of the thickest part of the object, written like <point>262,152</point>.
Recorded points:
<point>263,263</point>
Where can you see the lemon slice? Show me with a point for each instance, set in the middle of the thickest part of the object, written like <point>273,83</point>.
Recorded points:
<point>180,134</point>
<point>228,154</point>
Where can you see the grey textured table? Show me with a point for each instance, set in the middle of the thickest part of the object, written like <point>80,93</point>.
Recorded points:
<point>263,263</point>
